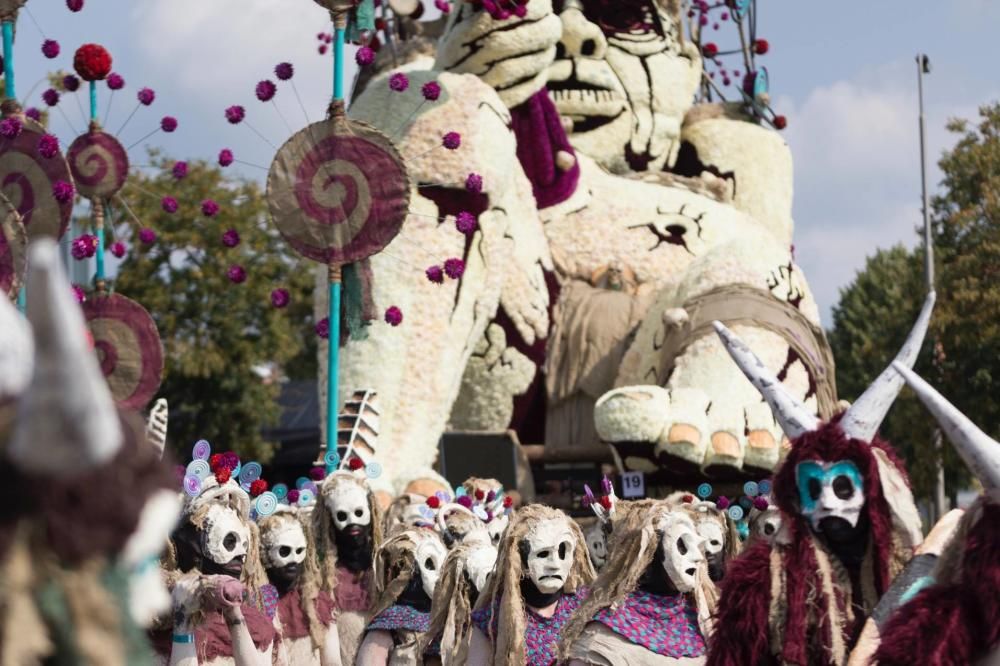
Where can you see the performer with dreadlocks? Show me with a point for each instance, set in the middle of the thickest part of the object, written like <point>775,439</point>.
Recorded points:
<point>652,602</point>
<point>305,615</point>
<point>542,569</point>
<point>957,619</point>
<point>88,505</point>
<point>214,566</point>
<point>463,577</point>
<point>851,526</point>
<point>718,531</point>
<point>347,526</point>
<point>407,567</point>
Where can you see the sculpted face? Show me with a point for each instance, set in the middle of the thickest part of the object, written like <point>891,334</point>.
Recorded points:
<point>348,504</point>
<point>226,540</point>
<point>283,550</point>
<point>550,548</point>
<point>681,551</point>
<point>623,79</point>
<point>597,546</point>
<point>430,554</point>
<point>830,493</point>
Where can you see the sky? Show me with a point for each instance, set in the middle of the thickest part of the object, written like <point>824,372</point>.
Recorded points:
<point>842,73</point>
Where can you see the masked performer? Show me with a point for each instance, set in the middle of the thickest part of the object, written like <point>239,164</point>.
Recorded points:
<point>649,605</point>
<point>305,614</point>
<point>347,526</point>
<point>407,568</point>
<point>88,505</point>
<point>718,531</point>
<point>957,619</point>
<point>542,569</point>
<point>851,526</point>
<point>217,578</point>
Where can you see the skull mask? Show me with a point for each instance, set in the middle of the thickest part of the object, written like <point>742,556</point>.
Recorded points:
<point>348,504</point>
<point>497,527</point>
<point>479,564</point>
<point>225,541</point>
<point>283,550</point>
<point>430,553</point>
<point>830,494</point>
<point>597,546</point>
<point>548,552</point>
<point>681,551</point>
<point>713,537</point>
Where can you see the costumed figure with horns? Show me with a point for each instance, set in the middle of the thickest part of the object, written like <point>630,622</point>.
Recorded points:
<point>407,568</point>
<point>540,579</point>
<point>956,620</point>
<point>850,527</point>
<point>88,505</point>
<point>652,602</point>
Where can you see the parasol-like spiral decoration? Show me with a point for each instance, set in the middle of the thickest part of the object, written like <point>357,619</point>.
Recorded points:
<point>128,347</point>
<point>338,191</point>
<point>27,180</point>
<point>13,249</point>
<point>99,164</point>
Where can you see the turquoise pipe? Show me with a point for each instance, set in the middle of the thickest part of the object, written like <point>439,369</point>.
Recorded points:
<point>333,366</point>
<point>8,58</point>
<point>338,64</point>
<point>93,101</point>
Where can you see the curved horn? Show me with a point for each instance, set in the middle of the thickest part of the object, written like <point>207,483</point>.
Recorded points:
<point>66,420</point>
<point>863,419</point>
<point>979,451</point>
<point>16,351</point>
<point>793,416</point>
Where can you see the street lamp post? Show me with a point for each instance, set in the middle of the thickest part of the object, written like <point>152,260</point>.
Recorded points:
<point>924,67</point>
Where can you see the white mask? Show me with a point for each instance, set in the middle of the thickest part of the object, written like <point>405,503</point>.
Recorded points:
<point>597,546</point>
<point>682,554</point>
<point>830,490</point>
<point>148,596</point>
<point>430,554</point>
<point>766,524</point>
<point>550,554</point>
<point>348,504</point>
<point>713,537</point>
<point>284,544</point>
<point>497,527</point>
<point>479,564</point>
<point>225,536</point>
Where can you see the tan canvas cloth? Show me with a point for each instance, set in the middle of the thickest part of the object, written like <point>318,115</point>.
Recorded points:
<point>593,328</point>
<point>600,646</point>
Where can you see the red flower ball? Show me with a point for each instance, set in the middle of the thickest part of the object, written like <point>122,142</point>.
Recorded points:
<point>216,461</point>
<point>92,62</point>
<point>605,501</point>
<point>355,464</point>
<point>223,475</point>
<point>508,502</point>
<point>433,501</point>
<point>688,499</point>
<point>780,122</point>
<point>480,495</point>
<point>710,50</point>
<point>258,487</point>
<point>761,46</point>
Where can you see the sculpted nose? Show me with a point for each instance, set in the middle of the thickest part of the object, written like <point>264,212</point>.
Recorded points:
<point>580,37</point>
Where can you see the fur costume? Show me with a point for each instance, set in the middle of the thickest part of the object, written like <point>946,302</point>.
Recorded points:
<point>796,601</point>
<point>517,634</point>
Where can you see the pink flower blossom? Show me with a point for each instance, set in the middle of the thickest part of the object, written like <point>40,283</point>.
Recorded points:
<point>365,56</point>
<point>225,157</point>
<point>399,82</point>
<point>180,170</point>
<point>466,222</point>
<point>266,90</point>
<point>168,124</point>
<point>235,114</point>
<point>48,146</point>
<point>209,208</point>
<point>431,91</point>
<point>231,238</point>
<point>63,191</point>
<point>454,268</point>
<point>451,140</point>
<point>237,274</point>
<point>435,274</point>
<point>280,298</point>
<point>474,183</point>
<point>146,96</point>
<point>284,71</point>
<point>50,97</point>
<point>116,81</point>
<point>323,328</point>
<point>147,236</point>
<point>50,49</point>
<point>393,316</point>
<point>118,249</point>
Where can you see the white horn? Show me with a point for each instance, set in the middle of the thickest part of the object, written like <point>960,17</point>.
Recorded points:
<point>793,416</point>
<point>66,420</point>
<point>16,351</point>
<point>979,451</point>
<point>863,419</point>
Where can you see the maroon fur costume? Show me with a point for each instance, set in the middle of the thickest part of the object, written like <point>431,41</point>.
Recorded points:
<point>743,625</point>
<point>953,623</point>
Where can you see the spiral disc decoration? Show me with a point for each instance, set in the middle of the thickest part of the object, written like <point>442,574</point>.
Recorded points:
<point>27,180</point>
<point>13,249</point>
<point>338,191</point>
<point>128,347</point>
<point>99,164</point>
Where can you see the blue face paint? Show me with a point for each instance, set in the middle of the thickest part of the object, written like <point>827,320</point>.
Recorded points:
<point>830,489</point>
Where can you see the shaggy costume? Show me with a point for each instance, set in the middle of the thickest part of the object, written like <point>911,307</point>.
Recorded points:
<point>541,634</point>
<point>213,637</point>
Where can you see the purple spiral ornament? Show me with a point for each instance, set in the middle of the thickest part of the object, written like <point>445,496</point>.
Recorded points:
<point>192,485</point>
<point>27,180</point>
<point>99,164</point>
<point>128,346</point>
<point>13,249</point>
<point>202,450</point>
<point>338,191</point>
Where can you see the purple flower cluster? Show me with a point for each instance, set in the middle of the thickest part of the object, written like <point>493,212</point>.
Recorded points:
<point>10,128</point>
<point>209,208</point>
<point>147,236</point>
<point>84,247</point>
<point>116,81</point>
<point>168,124</point>
<point>280,298</point>
<point>48,146</point>
<point>50,48</point>
<point>63,191</point>
<point>454,268</point>
<point>237,274</point>
<point>71,83</point>
<point>266,90</point>
<point>284,71</point>
<point>474,183</point>
<point>431,91</point>
<point>118,249</point>
<point>235,114</point>
<point>365,56</point>
<point>393,316</point>
<point>169,205</point>
<point>323,328</point>
<point>225,157</point>
<point>180,170</point>
<point>231,238</point>
<point>399,82</point>
<point>435,274</point>
<point>451,140</point>
<point>146,96</point>
<point>50,97</point>
<point>466,222</point>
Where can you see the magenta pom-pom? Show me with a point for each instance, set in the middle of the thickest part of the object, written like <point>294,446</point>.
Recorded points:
<point>466,223</point>
<point>365,56</point>
<point>454,268</point>
<point>280,298</point>
<point>225,157</point>
<point>474,183</point>
<point>168,204</point>
<point>146,96</point>
<point>322,49</point>
<point>284,71</point>
<point>231,238</point>
<point>443,6</point>
<point>393,316</point>
<point>317,474</point>
<point>760,503</point>
<point>451,140</point>
<point>399,82</point>
<point>180,170</point>
<point>168,124</point>
<point>431,91</point>
<point>209,208</point>
<point>116,81</point>
<point>147,236</point>
<point>235,114</point>
<point>236,274</point>
<point>83,247</point>
<point>10,128</point>
<point>50,97</point>
<point>465,501</point>
<point>79,294</point>
<point>74,5</point>
<point>50,49</point>
<point>48,146</point>
<point>266,90</point>
<point>118,249</point>
<point>71,83</point>
<point>435,274</point>
<point>63,191</point>
<point>323,328</point>
<point>723,502</point>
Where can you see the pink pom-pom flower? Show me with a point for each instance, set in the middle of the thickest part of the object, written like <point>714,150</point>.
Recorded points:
<point>146,96</point>
<point>451,140</point>
<point>723,502</point>
<point>147,236</point>
<point>284,71</point>
<point>236,274</point>
<point>225,157</point>
<point>180,170</point>
<point>393,316</point>
<point>74,5</point>
<point>454,268</point>
<point>79,294</point>
<point>266,90</point>
<point>474,183</point>
<point>399,82</point>
<point>317,474</point>
<point>10,128</point>
<point>48,146</point>
<point>50,97</point>
<point>280,298</point>
<point>209,208</point>
<point>168,124</point>
<point>443,6</point>
<point>466,223</point>
<point>169,205</point>
<point>116,81</point>
<point>63,191</point>
<point>83,247</point>
<point>235,114</point>
<point>365,56</point>
<point>431,91</point>
<point>50,49</point>
<point>231,238</point>
<point>118,249</point>
<point>33,113</point>
<point>71,83</point>
<point>323,328</point>
<point>435,274</point>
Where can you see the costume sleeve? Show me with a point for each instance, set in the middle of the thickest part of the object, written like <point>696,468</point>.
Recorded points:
<point>931,629</point>
<point>742,634</point>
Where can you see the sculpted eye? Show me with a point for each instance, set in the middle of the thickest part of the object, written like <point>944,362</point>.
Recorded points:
<point>681,546</point>
<point>563,547</point>
<point>359,513</point>
<point>815,488</point>
<point>342,516</point>
<point>299,551</point>
<point>284,551</point>
<point>429,564</point>
<point>229,543</point>
<point>843,487</point>
<point>768,529</point>
<point>543,555</point>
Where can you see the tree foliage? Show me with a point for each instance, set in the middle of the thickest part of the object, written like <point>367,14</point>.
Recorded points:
<point>216,334</point>
<point>962,355</point>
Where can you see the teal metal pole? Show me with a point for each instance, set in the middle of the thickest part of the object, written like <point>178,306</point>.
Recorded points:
<point>8,58</point>
<point>97,203</point>
<point>338,64</point>
<point>333,364</point>
<point>93,101</point>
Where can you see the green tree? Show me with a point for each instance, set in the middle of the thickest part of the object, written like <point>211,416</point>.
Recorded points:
<point>962,355</point>
<point>216,333</point>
